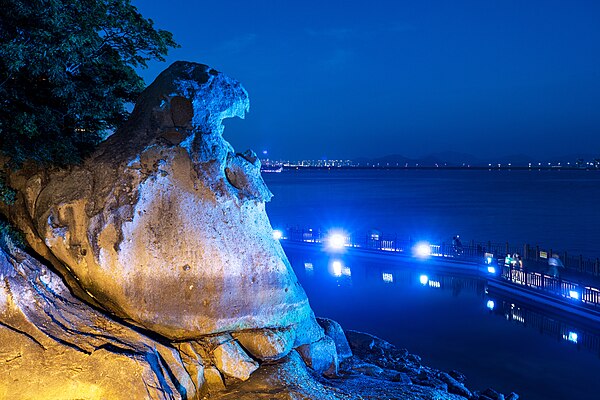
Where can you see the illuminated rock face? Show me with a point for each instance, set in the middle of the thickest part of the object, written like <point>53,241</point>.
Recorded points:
<point>54,346</point>
<point>165,224</point>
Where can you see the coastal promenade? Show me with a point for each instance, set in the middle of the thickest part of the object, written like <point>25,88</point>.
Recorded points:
<point>576,285</point>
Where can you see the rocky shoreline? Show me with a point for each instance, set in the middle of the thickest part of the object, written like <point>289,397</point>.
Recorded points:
<point>150,272</point>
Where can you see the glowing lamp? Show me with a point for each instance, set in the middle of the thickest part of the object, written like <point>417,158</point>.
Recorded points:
<point>572,337</point>
<point>490,304</point>
<point>336,241</point>
<point>277,234</point>
<point>423,279</point>
<point>423,249</point>
<point>574,294</point>
<point>491,270</point>
<point>488,260</point>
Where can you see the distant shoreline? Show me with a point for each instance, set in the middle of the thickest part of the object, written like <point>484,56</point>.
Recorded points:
<point>474,168</point>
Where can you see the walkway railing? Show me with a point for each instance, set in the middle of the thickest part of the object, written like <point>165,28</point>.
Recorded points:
<point>533,278</point>
<point>471,251</point>
<point>553,285</point>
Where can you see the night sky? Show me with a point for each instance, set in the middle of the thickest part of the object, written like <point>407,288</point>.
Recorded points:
<point>346,79</point>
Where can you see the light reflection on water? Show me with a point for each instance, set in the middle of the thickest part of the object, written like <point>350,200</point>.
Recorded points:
<point>454,323</point>
<point>556,209</point>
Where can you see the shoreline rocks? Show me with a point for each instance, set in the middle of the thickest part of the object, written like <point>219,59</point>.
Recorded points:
<point>152,273</point>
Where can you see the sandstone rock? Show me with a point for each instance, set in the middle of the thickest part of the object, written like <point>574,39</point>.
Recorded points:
<point>286,379</point>
<point>213,379</point>
<point>335,332</point>
<point>455,386</point>
<point>361,342</point>
<point>165,225</point>
<point>367,369</point>
<point>320,356</point>
<point>267,344</point>
<point>492,394</point>
<point>232,361</point>
<point>193,364</point>
<point>53,371</point>
<point>55,346</point>
<point>459,376</point>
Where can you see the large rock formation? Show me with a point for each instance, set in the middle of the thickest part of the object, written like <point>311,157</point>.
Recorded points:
<point>152,273</point>
<point>165,225</point>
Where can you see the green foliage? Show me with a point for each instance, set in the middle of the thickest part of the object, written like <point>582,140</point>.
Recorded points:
<point>10,237</point>
<point>66,74</point>
<point>7,195</point>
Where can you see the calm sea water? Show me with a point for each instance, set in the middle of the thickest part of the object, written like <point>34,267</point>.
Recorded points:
<point>555,209</point>
<point>514,347</point>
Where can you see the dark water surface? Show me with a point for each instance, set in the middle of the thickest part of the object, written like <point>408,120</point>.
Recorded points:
<point>515,346</point>
<point>557,209</point>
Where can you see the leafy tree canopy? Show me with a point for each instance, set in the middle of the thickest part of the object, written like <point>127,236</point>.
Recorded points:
<point>66,74</point>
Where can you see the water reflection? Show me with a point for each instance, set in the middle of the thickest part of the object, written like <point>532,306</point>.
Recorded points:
<point>455,322</point>
<point>548,321</point>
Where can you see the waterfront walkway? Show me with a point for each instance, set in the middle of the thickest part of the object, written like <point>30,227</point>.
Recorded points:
<point>575,287</point>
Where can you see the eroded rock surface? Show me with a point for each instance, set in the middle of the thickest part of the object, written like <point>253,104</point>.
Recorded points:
<point>152,273</point>
<point>165,225</point>
<point>53,345</point>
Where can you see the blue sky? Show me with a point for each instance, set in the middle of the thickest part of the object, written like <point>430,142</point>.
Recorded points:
<point>344,79</point>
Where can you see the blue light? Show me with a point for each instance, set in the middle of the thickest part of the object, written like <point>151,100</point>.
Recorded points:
<point>423,279</point>
<point>488,260</point>
<point>574,294</point>
<point>572,337</point>
<point>277,234</point>
<point>490,304</point>
<point>422,249</point>
<point>491,270</point>
<point>336,240</point>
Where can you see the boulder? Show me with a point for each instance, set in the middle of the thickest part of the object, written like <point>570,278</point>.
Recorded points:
<point>164,225</point>
<point>320,356</point>
<point>455,386</point>
<point>231,360</point>
<point>335,332</point>
<point>266,344</point>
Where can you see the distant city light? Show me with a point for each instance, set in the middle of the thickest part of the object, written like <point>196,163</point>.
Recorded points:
<point>387,277</point>
<point>277,234</point>
<point>423,279</point>
<point>336,267</point>
<point>574,294</point>
<point>491,269</point>
<point>336,240</point>
<point>490,304</point>
<point>422,249</point>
